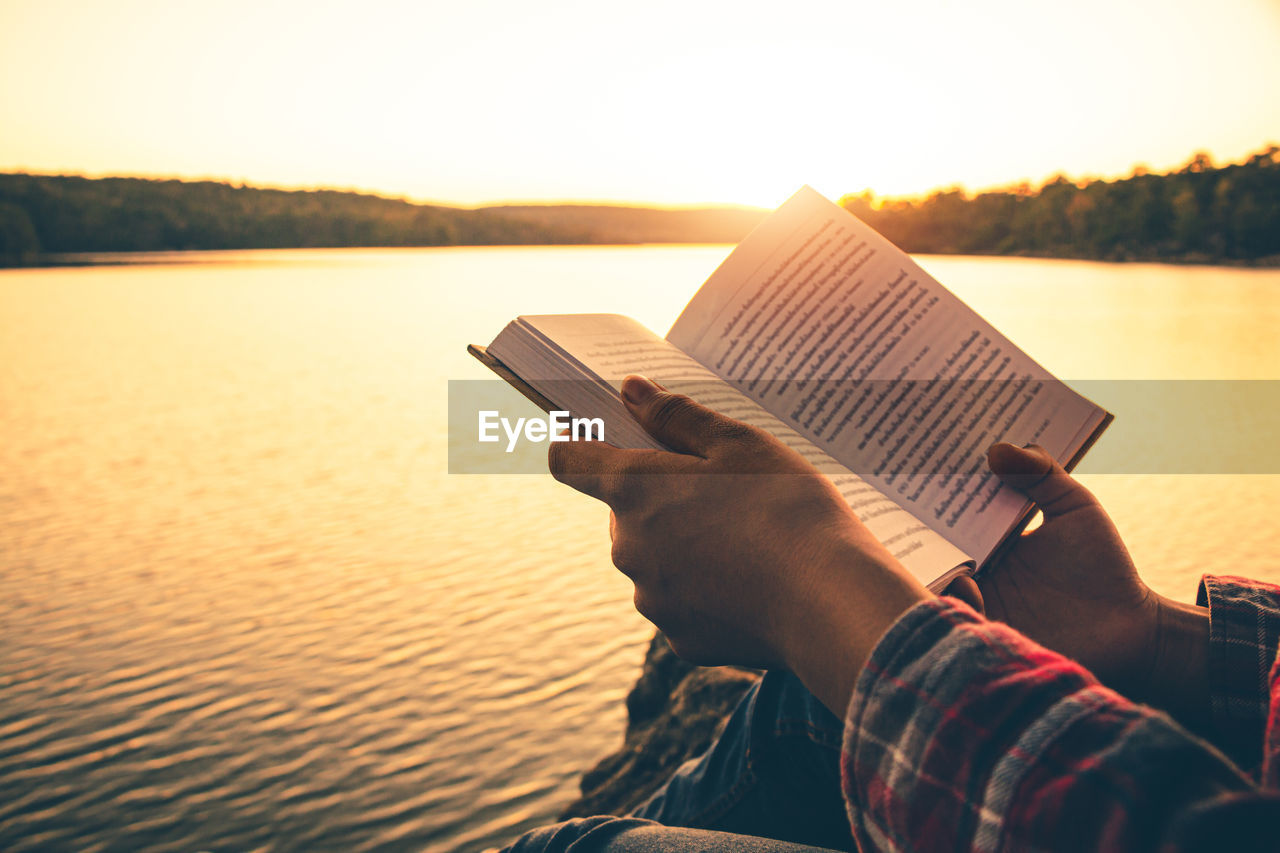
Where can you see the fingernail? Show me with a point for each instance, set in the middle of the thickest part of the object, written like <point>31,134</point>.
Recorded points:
<point>637,389</point>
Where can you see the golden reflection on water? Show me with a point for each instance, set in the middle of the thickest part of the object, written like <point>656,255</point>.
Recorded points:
<point>240,598</point>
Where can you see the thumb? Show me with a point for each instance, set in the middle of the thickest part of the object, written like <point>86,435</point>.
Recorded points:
<point>968,591</point>
<point>1032,471</point>
<point>673,419</point>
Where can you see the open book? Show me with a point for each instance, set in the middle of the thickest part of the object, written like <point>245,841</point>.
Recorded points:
<point>822,332</point>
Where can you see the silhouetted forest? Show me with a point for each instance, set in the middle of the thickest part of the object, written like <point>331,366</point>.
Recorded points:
<point>1199,213</point>
<point>42,215</point>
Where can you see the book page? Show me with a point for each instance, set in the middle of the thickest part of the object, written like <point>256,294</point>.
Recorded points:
<point>610,346</point>
<point>840,334</point>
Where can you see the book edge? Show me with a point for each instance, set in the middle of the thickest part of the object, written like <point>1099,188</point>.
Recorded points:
<point>509,376</point>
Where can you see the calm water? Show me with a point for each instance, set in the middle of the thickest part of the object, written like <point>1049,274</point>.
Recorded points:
<point>242,605</point>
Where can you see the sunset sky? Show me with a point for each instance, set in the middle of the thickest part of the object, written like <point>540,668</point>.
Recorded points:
<point>474,101</point>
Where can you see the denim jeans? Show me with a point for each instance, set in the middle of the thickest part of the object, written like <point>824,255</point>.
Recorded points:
<point>770,782</point>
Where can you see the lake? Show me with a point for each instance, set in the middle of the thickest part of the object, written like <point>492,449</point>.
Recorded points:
<point>243,605</point>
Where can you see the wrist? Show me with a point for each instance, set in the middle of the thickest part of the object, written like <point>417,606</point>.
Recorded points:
<point>1179,678</point>
<point>839,619</point>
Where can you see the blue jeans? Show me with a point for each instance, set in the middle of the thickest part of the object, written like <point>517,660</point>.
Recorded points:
<point>770,782</point>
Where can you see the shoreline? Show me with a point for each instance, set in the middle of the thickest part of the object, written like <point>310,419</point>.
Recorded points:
<point>129,257</point>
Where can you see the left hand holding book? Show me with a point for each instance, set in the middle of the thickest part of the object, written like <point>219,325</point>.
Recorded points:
<point>740,550</point>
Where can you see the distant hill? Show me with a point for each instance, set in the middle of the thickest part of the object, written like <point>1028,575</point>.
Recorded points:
<point>42,215</point>
<point>614,224</point>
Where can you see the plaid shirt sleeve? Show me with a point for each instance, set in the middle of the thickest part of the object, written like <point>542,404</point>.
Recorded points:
<point>1244,632</point>
<point>963,734</point>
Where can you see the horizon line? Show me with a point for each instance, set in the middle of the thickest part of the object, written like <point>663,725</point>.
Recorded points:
<point>241,183</point>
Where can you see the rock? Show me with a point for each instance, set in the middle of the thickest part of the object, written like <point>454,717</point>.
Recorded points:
<point>674,712</point>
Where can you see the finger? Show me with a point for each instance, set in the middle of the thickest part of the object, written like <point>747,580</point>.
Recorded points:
<point>589,467</point>
<point>599,469</point>
<point>966,589</point>
<point>674,419</point>
<point>1032,471</point>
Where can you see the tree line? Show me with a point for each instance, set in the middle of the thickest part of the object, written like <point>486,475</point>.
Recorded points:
<point>1198,213</point>
<point>49,215</point>
<point>42,214</point>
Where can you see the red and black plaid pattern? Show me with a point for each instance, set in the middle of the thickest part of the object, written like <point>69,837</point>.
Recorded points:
<point>963,734</point>
<point>1244,632</point>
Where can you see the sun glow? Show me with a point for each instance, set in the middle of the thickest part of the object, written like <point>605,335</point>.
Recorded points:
<point>662,102</point>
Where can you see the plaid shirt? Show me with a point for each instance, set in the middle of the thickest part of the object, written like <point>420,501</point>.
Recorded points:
<point>963,734</point>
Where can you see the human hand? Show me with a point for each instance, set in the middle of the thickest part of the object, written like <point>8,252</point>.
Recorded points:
<point>1071,586</point>
<point>740,551</point>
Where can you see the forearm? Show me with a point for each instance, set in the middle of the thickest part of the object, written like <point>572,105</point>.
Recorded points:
<point>832,631</point>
